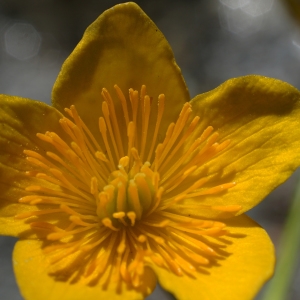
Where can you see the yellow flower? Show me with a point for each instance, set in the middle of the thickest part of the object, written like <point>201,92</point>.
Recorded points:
<point>109,189</point>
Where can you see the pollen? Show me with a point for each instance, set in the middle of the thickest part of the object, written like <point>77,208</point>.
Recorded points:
<point>105,196</point>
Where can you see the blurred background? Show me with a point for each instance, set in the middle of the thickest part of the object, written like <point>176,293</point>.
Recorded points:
<point>212,41</point>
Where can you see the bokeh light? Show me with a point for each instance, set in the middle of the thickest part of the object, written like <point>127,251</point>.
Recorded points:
<point>22,41</point>
<point>243,17</point>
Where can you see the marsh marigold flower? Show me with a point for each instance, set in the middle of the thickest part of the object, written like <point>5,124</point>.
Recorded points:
<point>125,180</point>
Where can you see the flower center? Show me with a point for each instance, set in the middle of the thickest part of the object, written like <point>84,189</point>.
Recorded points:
<point>108,200</point>
<point>128,195</point>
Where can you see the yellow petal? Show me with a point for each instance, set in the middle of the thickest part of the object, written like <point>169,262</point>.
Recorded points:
<point>250,262</point>
<point>124,47</point>
<point>31,269</point>
<point>261,118</point>
<point>20,120</point>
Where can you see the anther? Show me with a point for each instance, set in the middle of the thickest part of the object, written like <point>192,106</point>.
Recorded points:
<point>107,222</point>
<point>132,217</point>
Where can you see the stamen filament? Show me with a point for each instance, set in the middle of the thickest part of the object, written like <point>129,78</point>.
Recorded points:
<point>112,198</point>
<point>114,119</point>
<point>160,110</point>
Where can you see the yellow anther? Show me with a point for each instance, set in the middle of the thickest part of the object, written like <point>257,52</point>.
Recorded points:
<point>134,99</point>
<point>101,156</point>
<point>130,130</point>
<point>107,222</point>
<point>120,216</point>
<point>132,216</point>
<point>123,162</point>
<point>94,185</point>
<point>135,154</point>
<point>142,238</point>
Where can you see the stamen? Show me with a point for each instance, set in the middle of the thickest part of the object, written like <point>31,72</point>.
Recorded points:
<point>178,180</point>
<point>181,141</point>
<point>114,120</point>
<point>120,216</point>
<point>38,159</point>
<point>66,126</point>
<point>157,201</point>
<point>101,156</point>
<point>121,198</point>
<point>37,162</point>
<point>103,237</point>
<point>107,222</point>
<point>36,213</point>
<point>94,185</point>
<point>214,190</point>
<point>134,99</point>
<point>198,244</point>
<point>107,120</point>
<point>133,199</point>
<point>159,240</point>
<point>123,266</point>
<point>160,110</point>
<point>172,264</point>
<point>123,102</point>
<point>132,216</point>
<point>77,128</point>
<point>88,132</point>
<point>184,157</point>
<point>110,205</point>
<point>184,114</point>
<point>130,135</point>
<point>146,115</point>
<point>102,127</point>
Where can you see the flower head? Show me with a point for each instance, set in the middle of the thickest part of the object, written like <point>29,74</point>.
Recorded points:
<point>124,180</point>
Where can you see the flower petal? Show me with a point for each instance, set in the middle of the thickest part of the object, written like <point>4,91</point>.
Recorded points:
<point>124,47</point>
<point>20,120</point>
<point>239,276</point>
<point>261,118</point>
<point>31,269</point>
